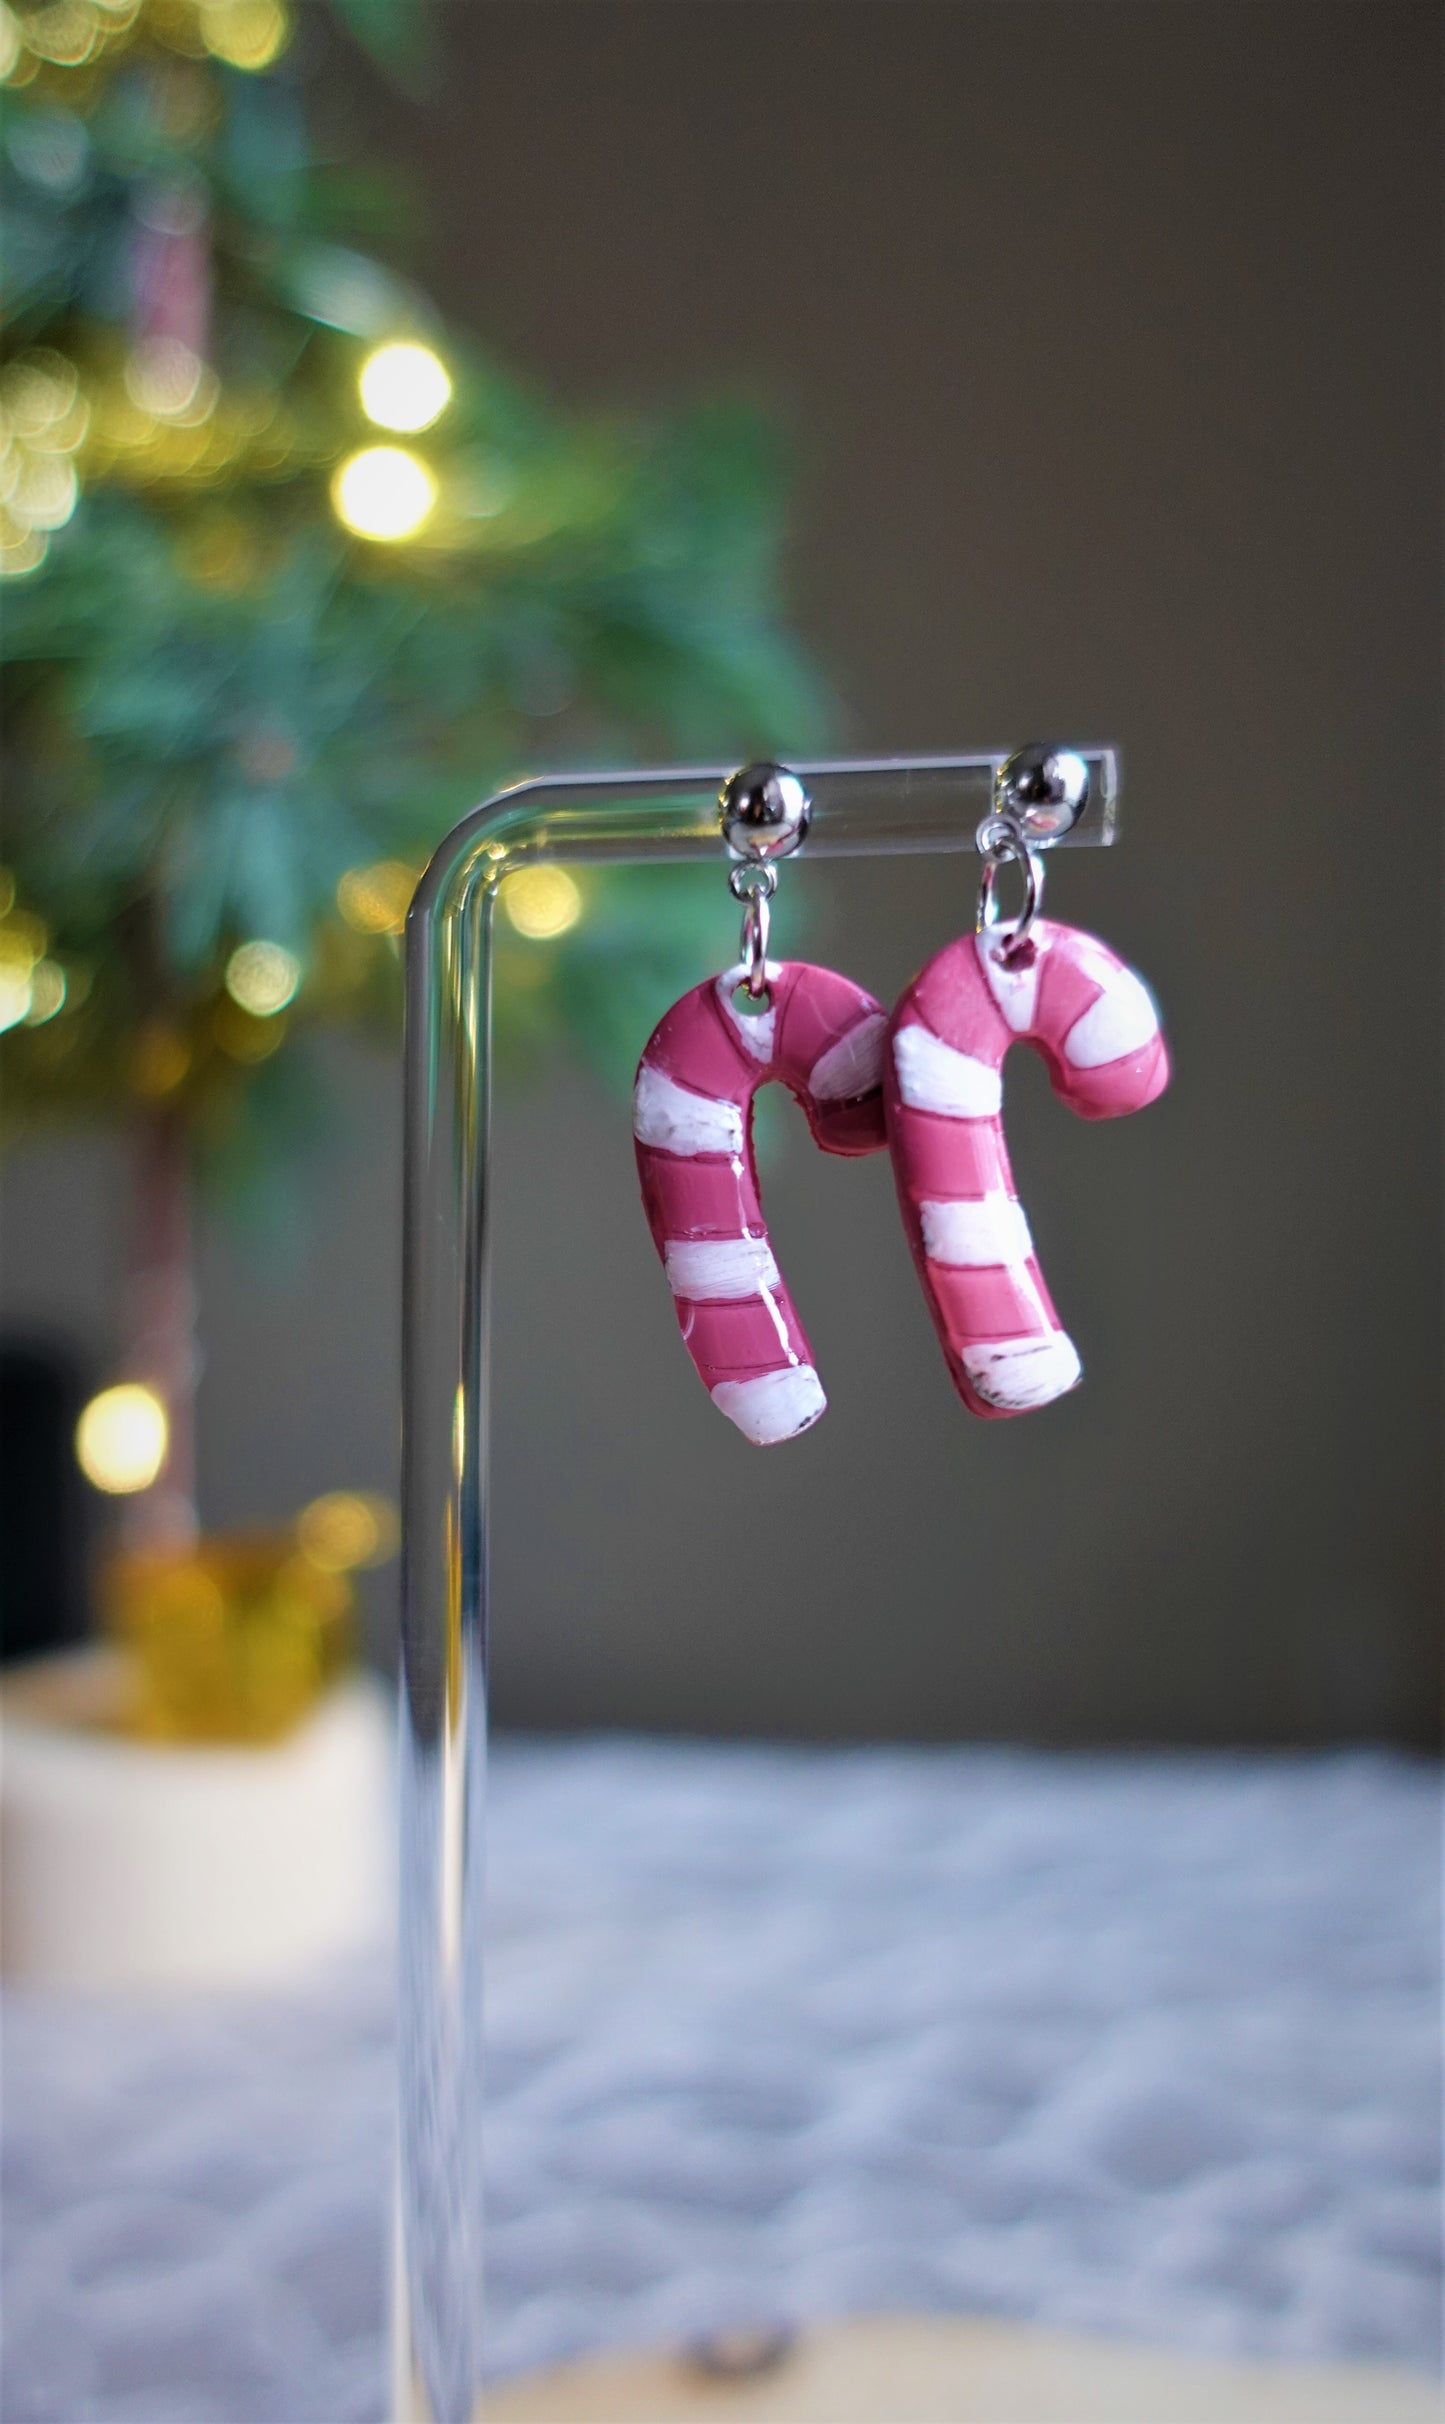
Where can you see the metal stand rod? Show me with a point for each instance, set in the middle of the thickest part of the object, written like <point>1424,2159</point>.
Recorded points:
<point>871,808</point>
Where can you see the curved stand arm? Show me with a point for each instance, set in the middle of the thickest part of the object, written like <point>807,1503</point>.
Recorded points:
<point>871,808</point>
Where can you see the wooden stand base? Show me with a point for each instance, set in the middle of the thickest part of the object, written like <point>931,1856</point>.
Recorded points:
<point>905,2369</point>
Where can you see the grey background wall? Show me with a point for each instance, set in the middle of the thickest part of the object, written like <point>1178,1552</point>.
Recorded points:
<point>1107,334</point>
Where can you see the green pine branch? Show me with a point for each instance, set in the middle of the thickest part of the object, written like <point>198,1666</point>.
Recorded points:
<point>222,706</point>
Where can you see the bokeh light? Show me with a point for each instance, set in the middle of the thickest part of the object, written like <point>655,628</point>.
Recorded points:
<point>22,948</point>
<point>165,378</point>
<point>37,390</point>
<point>23,931</point>
<point>47,992</point>
<point>262,977</point>
<point>384,492</point>
<point>348,1529</point>
<point>44,491</point>
<point>22,939</point>
<point>43,418</point>
<point>375,899</point>
<point>244,33</point>
<point>65,33</point>
<point>121,1439</point>
<point>21,551</point>
<point>404,386</point>
<point>541,902</point>
<point>14,993</point>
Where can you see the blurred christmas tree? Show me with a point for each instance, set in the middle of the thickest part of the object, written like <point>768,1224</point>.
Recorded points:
<point>292,577</point>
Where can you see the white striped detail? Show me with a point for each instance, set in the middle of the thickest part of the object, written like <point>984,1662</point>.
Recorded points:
<point>777,1405</point>
<point>1095,959</point>
<point>756,1035</point>
<point>1017,1374</point>
<point>1015,990</point>
<point>982,1229</point>
<point>711,1268</point>
<point>933,1077</point>
<point>1122,1020</point>
<point>668,1116</point>
<point>853,1065</point>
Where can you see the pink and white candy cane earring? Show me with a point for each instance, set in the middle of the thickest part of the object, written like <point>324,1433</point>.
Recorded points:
<point>1093,1023</point>
<point>819,1035</point>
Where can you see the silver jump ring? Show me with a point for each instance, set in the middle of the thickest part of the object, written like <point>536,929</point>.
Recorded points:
<point>1000,841</point>
<point>753,951</point>
<point>754,883</point>
<point>995,833</point>
<point>753,876</point>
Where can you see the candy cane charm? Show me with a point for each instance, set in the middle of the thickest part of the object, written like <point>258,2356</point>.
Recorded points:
<point>1094,1024</point>
<point>821,1036</point>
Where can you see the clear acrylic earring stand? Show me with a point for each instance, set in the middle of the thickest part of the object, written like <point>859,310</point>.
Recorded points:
<point>861,808</point>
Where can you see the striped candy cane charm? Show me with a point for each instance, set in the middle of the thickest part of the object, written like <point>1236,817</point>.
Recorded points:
<point>821,1036</point>
<point>1094,1024</point>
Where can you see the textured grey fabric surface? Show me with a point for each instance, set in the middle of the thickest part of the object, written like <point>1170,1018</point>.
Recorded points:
<point>1147,2047</point>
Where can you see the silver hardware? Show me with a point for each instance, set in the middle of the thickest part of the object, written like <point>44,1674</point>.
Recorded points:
<point>1044,789</point>
<point>754,885</point>
<point>764,812</point>
<point>1001,839</point>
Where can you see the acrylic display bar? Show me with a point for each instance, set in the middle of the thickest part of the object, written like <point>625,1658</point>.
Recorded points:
<point>872,808</point>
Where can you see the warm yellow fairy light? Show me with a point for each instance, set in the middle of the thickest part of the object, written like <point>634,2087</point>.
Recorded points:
<point>404,386</point>
<point>44,492</point>
<point>43,418</point>
<point>347,1529</point>
<point>121,1439</point>
<point>37,389</point>
<point>383,493</point>
<point>65,434</point>
<point>262,977</point>
<point>47,992</point>
<point>10,48</point>
<point>22,950</point>
<point>15,986</point>
<point>21,552</point>
<point>541,902</point>
<point>23,938</point>
<point>64,33</point>
<point>375,899</point>
<point>244,33</point>
<point>165,378</point>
